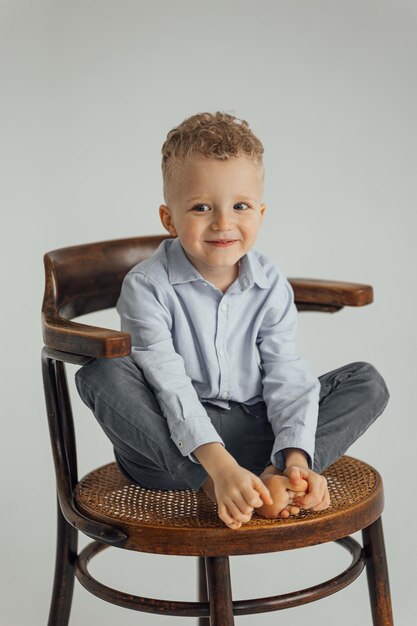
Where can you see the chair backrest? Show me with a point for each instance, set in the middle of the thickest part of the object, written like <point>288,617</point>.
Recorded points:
<point>86,278</point>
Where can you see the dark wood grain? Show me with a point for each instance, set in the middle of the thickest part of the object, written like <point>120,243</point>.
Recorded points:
<point>377,574</point>
<point>330,292</point>
<point>83,279</point>
<point>221,605</point>
<point>219,591</point>
<point>66,553</point>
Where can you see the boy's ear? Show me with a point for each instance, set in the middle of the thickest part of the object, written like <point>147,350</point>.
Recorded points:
<point>166,219</point>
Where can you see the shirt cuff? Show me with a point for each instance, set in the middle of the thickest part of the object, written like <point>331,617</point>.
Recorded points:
<point>292,438</point>
<point>189,435</point>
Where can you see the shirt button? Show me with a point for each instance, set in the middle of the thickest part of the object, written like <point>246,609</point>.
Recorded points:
<point>221,352</point>
<point>223,307</point>
<point>225,395</point>
<point>180,444</point>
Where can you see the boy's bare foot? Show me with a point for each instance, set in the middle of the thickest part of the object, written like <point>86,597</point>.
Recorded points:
<point>283,490</point>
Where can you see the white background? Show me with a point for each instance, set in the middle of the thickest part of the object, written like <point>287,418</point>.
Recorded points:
<point>89,90</point>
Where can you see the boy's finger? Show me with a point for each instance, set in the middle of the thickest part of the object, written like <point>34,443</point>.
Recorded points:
<point>324,504</point>
<point>294,510</point>
<point>224,514</point>
<point>299,473</point>
<point>296,478</point>
<point>252,499</point>
<point>263,491</point>
<point>227,518</point>
<point>293,473</point>
<point>240,508</point>
<point>308,501</point>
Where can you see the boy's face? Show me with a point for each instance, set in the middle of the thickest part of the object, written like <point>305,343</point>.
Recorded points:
<point>214,208</point>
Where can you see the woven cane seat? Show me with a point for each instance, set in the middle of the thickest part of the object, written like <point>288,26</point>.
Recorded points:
<point>186,522</point>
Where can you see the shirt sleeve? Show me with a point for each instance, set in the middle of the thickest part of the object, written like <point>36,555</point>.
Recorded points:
<point>291,390</point>
<point>148,320</point>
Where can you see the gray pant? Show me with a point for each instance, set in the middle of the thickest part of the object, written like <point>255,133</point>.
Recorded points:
<point>351,398</point>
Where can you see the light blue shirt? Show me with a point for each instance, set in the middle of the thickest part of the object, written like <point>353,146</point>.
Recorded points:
<point>196,344</point>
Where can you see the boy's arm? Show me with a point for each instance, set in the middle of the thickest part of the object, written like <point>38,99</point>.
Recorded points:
<point>290,389</point>
<point>145,317</point>
<point>291,393</point>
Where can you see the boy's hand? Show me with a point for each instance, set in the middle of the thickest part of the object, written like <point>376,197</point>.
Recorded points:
<point>317,497</point>
<point>238,492</point>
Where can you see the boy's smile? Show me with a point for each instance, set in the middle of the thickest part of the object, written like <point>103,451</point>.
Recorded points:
<point>214,208</point>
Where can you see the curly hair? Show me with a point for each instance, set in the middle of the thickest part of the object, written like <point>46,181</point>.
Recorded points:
<point>216,135</point>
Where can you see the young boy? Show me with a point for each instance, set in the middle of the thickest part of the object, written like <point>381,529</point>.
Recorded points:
<point>214,394</point>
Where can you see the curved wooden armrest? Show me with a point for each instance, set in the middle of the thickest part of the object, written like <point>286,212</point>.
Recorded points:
<point>91,341</point>
<point>310,293</point>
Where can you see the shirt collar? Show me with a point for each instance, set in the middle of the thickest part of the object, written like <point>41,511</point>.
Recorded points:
<point>181,270</point>
<point>251,272</point>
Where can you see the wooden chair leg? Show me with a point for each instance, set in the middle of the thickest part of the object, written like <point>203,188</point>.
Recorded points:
<point>66,552</point>
<point>202,588</point>
<point>219,591</point>
<point>377,573</point>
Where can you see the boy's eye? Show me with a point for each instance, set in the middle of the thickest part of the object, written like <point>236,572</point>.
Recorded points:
<point>201,208</point>
<point>241,206</point>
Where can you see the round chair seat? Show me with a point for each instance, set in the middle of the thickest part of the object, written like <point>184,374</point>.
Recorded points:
<point>186,522</point>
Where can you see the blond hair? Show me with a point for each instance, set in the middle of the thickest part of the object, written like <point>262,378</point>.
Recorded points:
<point>216,135</point>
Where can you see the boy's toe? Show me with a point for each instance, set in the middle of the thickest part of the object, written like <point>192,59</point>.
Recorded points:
<point>294,510</point>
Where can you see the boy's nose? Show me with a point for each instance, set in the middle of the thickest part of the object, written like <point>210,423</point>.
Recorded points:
<point>221,221</point>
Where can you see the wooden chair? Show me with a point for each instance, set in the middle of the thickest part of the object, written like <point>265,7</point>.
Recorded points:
<point>114,512</point>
